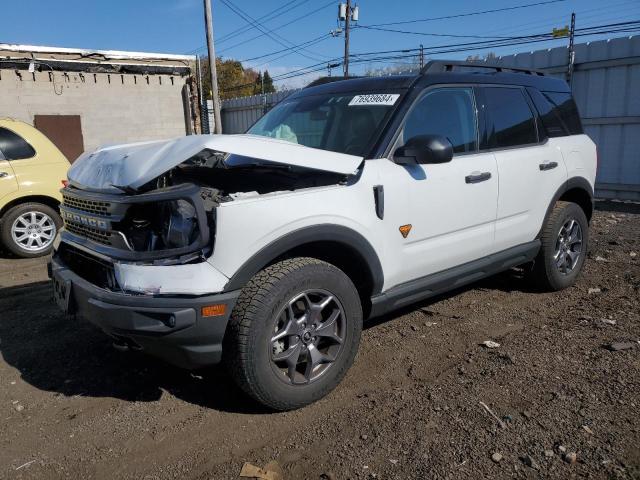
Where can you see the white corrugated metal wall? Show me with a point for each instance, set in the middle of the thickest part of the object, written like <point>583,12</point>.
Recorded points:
<point>606,86</point>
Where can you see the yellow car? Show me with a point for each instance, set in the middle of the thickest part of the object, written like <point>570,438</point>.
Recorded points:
<point>32,172</point>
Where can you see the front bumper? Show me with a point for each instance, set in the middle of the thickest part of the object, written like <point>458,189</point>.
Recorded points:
<point>169,327</point>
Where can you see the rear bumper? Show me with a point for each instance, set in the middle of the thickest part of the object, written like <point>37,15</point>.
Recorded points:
<point>169,327</point>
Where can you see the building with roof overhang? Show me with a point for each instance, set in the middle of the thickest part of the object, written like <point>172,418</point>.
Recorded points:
<point>85,98</point>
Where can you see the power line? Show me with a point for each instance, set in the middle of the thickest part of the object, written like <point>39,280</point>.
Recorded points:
<point>291,53</point>
<point>468,14</point>
<point>371,27</point>
<point>303,44</point>
<point>265,18</point>
<point>368,57</point>
<point>279,27</point>
<point>273,36</point>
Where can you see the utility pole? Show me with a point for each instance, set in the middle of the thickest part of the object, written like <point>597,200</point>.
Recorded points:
<point>202,107</point>
<point>421,56</point>
<point>212,66</point>
<point>347,27</point>
<point>572,53</point>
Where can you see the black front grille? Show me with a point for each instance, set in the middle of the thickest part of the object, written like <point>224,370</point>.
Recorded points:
<point>90,206</point>
<point>100,236</point>
<point>93,269</point>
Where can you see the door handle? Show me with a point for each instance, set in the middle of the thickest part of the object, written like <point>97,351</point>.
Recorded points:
<point>3,174</point>
<point>477,177</point>
<point>548,165</point>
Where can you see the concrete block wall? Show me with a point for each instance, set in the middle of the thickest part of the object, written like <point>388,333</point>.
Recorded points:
<point>113,108</point>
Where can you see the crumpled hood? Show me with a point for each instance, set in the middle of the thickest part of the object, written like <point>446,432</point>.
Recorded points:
<point>134,164</point>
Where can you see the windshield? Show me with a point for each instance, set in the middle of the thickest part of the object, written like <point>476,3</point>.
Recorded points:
<point>345,123</point>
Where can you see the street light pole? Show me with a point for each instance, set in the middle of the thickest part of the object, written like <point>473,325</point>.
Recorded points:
<point>212,66</point>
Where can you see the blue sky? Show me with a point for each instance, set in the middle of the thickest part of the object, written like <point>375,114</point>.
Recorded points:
<point>176,26</point>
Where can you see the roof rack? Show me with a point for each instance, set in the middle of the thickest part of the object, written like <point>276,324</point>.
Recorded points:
<point>323,80</point>
<point>440,66</point>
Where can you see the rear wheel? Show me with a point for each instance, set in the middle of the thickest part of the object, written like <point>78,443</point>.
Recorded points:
<point>294,333</point>
<point>28,230</point>
<point>564,239</point>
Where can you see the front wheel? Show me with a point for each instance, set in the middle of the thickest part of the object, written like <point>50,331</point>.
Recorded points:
<point>293,333</point>
<point>565,238</point>
<point>28,230</point>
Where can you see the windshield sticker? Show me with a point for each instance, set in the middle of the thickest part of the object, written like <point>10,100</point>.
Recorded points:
<point>374,99</point>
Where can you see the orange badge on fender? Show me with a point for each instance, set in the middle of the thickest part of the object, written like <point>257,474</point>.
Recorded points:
<point>405,229</point>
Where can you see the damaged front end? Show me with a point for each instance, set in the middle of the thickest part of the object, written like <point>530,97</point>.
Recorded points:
<point>166,225</point>
<point>154,203</point>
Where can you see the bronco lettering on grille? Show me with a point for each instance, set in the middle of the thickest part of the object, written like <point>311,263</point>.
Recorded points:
<point>85,220</point>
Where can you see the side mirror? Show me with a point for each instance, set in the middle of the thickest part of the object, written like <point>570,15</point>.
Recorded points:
<point>424,149</point>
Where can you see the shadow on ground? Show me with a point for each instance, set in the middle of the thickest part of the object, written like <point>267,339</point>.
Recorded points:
<point>70,356</point>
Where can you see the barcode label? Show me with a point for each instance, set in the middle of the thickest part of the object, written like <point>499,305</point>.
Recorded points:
<point>374,99</point>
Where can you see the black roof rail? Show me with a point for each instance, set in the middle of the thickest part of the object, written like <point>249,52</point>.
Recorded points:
<point>323,80</point>
<point>440,66</point>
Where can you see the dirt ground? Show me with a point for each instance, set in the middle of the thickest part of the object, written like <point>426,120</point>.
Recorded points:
<point>412,406</point>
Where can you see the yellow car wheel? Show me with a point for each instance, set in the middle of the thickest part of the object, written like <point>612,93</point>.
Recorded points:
<point>28,230</point>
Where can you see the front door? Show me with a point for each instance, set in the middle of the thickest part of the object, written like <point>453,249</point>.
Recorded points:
<point>451,207</point>
<point>8,182</point>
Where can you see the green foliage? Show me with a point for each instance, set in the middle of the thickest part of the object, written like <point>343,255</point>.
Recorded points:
<point>234,80</point>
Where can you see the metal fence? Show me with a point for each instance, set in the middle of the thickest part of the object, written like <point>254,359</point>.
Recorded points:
<point>606,86</point>
<point>238,114</point>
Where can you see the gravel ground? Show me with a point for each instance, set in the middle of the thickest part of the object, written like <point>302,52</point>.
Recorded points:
<point>423,400</point>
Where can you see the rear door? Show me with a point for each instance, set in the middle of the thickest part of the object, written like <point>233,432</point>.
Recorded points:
<point>8,183</point>
<point>530,168</point>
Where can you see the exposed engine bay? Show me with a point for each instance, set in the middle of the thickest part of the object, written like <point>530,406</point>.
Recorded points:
<point>171,218</point>
<point>224,177</point>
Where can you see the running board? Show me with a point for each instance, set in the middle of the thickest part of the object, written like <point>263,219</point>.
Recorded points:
<point>452,278</point>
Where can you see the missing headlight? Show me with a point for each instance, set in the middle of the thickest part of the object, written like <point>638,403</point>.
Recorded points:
<point>182,227</point>
<point>161,225</point>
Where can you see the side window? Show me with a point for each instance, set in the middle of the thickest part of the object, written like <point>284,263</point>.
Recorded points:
<point>551,121</point>
<point>566,109</point>
<point>510,120</point>
<point>449,112</point>
<point>13,146</point>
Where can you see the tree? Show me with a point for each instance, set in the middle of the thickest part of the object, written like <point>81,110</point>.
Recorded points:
<point>268,83</point>
<point>257,88</point>
<point>234,80</point>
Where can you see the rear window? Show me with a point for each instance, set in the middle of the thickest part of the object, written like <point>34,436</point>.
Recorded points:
<point>510,120</point>
<point>13,146</point>
<point>558,113</point>
<point>566,109</point>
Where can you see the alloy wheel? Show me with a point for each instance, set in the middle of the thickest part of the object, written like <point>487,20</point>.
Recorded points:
<point>568,246</point>
<point>33,231</point>
<point>307,337</point>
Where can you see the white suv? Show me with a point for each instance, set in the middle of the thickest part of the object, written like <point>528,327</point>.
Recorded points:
<point>347,200</point>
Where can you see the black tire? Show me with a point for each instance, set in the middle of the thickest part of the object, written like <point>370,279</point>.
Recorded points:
<point>9,219</point>
<point>248,345</point>
<point>546,274</point>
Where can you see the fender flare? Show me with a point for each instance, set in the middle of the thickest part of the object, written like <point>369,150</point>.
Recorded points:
<point>348,237</point>
<point>572,183</point>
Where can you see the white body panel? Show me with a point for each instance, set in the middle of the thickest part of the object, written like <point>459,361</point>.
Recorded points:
<point>452,221</point>
<point>525,190</point>
<point>246,225</point>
